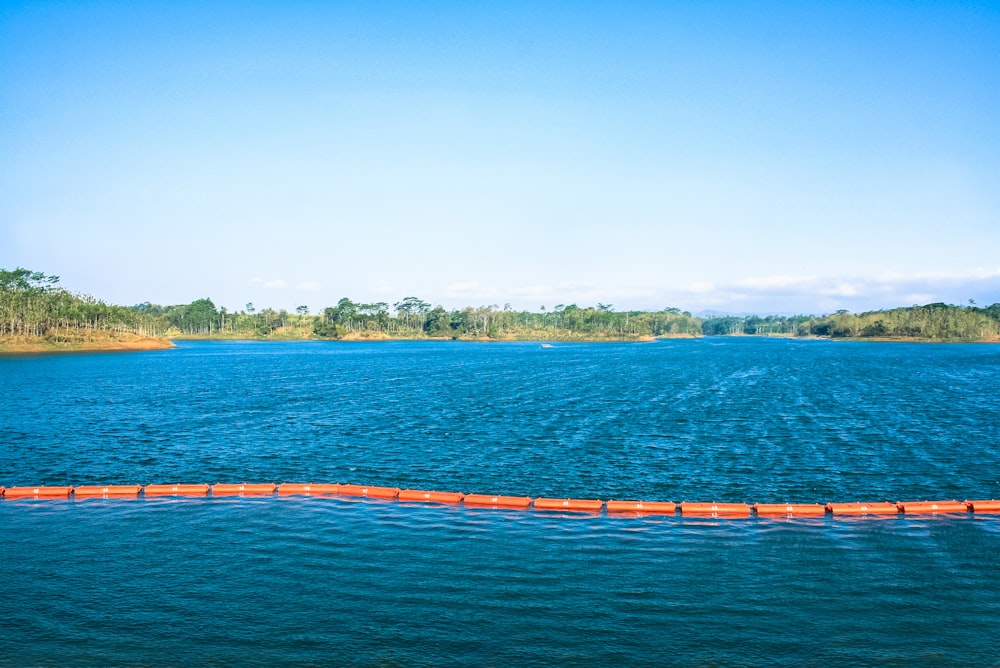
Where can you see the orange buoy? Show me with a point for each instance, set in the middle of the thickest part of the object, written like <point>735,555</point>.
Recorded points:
<point>430,496</point>
<point>176,490</point>
<point>790,509</point>
<point>716,509</point>
<point>487,501</point>
<point>244,489</point>
<point>990,506</point>
<point>307,488</point>
<point>37,492</point>
<point>643,507</point>
<point>107,491</point>
<point>576,505</point>
<point>371,492</point>
<point>933,507</point>
<point>874,508</point>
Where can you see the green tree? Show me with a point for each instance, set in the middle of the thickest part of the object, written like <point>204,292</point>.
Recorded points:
<point>437,323</point>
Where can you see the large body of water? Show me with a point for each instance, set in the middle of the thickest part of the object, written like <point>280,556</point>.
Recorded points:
<point>338,580</point>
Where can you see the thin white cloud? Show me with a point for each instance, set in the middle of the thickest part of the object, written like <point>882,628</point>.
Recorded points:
<point>534,292</point>
<point>310,286</point>
<point>568,286</point>
<point>700,288</point>
<point>839,289</point>
<point>470,290</point>
<point>922,298</point>
<point>978,274</point>
<point>273,283</point>
<point>768,283</point>
<point>784,293</point>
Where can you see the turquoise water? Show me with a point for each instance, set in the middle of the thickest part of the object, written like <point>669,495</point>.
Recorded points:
<point>309,581</point>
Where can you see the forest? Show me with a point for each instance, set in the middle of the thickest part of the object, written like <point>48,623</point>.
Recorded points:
<point>33,305</point>
<point>413,318</point>
<point>930,322</point>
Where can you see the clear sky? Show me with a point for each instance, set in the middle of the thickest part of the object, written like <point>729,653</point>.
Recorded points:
<point>769,157</point>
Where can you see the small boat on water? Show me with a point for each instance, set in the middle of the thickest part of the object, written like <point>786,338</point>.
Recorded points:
<point>547,345</point>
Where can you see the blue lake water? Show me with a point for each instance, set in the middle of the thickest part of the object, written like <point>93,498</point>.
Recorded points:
<point>311,581</point>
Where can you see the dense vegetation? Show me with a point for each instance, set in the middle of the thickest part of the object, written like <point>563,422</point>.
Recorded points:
<point>33,305</point>
<point>932,322</point>
<point>414,318</point>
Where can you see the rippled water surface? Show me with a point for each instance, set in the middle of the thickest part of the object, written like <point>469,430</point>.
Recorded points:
<point>311,580</point>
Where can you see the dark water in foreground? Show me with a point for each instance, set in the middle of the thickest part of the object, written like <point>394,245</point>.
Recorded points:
<point>317,581</point>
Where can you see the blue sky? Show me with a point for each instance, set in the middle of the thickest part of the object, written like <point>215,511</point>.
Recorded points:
<point>740,157</point>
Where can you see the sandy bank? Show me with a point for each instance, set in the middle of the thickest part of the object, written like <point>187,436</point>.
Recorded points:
<point>81,342</point>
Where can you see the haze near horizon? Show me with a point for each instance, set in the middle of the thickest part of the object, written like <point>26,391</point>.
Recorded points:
<point>795,157</point>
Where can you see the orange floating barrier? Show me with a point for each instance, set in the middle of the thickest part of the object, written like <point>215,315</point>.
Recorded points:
<point>643,507</point>
<point>716,509</point>
<point>371,492</point>
<point>984,506</point>
<point>243,489</point>
<point>576,505</point>
<point>37,492</point>
<point>874,508</point>
<point>176,490</point>
<point>307,488</point>
<point>790,509</point>
<point>487,501</point>
<point>933,506</point>
<point>430,496</point>
<point>107,491</point>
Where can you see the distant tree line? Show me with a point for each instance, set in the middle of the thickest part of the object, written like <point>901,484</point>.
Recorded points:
<point>937,322</point>
<point>202,318</point>
<point>415,318</point>
<point>32,304</point>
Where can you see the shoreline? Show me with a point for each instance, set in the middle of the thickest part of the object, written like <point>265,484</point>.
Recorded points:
<point>362,338</point>
<point>27,345</point>
<point>16,346</point>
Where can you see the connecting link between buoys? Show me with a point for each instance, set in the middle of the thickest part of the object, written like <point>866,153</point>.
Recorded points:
<point>990,506</point>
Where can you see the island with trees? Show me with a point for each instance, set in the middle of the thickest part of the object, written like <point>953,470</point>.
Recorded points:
<point>37,314</point>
